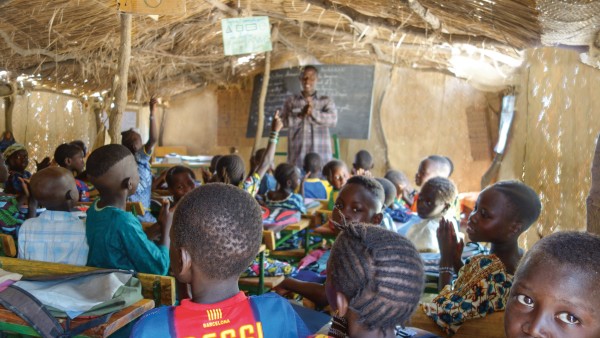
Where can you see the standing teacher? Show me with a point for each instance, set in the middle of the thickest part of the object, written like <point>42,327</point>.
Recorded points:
<point>308,118</point>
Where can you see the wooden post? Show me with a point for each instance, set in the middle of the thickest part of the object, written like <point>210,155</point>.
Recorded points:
<point>116,113</point>
<point>9,106</point>
<point>263,93</point>
<point>593,200</point>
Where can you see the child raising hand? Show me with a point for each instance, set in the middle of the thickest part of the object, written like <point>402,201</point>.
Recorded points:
<point>503,211</point>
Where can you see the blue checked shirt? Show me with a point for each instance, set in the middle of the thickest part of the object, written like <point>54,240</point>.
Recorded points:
<point>307,135</point>
<point>54,236</point>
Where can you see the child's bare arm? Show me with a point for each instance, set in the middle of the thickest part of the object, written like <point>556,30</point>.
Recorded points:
<point>165,219</point>
<point>152,133</point>
<point>307,175</point>
<point>265,162</point>
<point>314,292</point>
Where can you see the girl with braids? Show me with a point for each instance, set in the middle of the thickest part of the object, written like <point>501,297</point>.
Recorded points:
<point>374,282</point>
<point>503,211</point>
<point>230,168</point>
<point>288,179</point>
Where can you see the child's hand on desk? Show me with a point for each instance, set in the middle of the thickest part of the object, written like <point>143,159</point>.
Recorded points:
<point>450,247</point>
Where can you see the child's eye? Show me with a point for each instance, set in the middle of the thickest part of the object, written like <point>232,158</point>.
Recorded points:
<point>525,300</point>
<point>568,318</point>
<point>355,209</point>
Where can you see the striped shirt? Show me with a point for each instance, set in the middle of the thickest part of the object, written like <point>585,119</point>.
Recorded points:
<point>54,236</point>
<point>306,135</point>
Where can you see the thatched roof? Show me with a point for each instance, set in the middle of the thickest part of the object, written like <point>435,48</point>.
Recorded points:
<point>74,44</point>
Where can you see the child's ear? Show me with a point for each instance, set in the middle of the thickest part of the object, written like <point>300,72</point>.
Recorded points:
<point>515,228</point>
<point>127,184</point>
<point>377,218</point>
<point>341,303</point>
<point>68,161</point>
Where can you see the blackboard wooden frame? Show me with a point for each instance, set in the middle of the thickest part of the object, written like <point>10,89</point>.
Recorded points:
<point>350,87</point>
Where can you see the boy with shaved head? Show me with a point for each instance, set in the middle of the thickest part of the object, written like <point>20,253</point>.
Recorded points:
<point>58,234</point>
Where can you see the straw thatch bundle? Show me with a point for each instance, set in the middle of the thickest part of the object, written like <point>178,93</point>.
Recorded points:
<point>74,44</point>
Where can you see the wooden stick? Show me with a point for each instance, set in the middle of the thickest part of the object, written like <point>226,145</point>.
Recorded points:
<point>593,200</point>
<point>121,93</point>
<point>263,93</point>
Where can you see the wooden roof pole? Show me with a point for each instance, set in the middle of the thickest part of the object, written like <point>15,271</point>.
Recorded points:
<point>593,200</point>
<point>122,77</point>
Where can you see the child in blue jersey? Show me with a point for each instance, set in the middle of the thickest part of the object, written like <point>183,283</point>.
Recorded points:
<point>142,153</point>
<point>313,186</point>
<point>71,157</point>
<point>288,179</point>
<point>115,236</point>
<point>217,231</point>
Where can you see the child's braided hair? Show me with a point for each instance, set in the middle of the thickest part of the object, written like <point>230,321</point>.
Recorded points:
<point>379,271</point>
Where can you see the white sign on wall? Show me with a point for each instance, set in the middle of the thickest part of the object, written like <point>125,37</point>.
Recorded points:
<point>246,35</point>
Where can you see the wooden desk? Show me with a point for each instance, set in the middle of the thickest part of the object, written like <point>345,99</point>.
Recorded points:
<point>258,284</point>
<point>13,323</point>
<point>287,233</point>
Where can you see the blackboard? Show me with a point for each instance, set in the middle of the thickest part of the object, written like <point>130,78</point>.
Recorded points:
<point>350,87</point>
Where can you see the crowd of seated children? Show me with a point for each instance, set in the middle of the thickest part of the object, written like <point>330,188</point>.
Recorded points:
<point>142,153</point>
<point>58,233</point>
<point>230,168</point>
<point>555,289</point>
<point>434,204</point>
<point>363,163</point>
<point>360,200</point>
<point>336,173</point>
<point>389,191</point>
<point>17,160</point>
<point>180,181</point>
<point>431,166</point>
<point>268,182</point>
<point>374,283</point>
<point>216,232</point>
<point>72,158</point>
<point>313,186</point>
<point>503,211</point>
<point>288,180</point>
<point>115,237</point>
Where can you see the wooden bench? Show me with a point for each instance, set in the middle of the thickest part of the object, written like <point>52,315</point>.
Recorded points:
<point>491,326</point>
<point>13,323</point>
<point>161,289</point>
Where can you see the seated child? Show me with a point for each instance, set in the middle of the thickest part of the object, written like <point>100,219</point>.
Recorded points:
<point>336,173</point>
<point>268,182</point>
<point>115,237</point>
<point>503,211</point>
<point>313,186</point>
<point>288,179</point>
<point>209,174</point>
<point>363,163</point>
<point>390,193</point>
<point>217,231</point>
<point>405,192</point>
<point>132,140</point>
<point>360,200</point>
<point>230,168</point>
<point>431,166</point>
<point>555,289</point>
<point>434,204</point>
<point>7,140</point>
<point>180,181</point>
<point>81,145</point>
<point>374,283</point>
<point>58,234</point>
<point>16,159</point>
<point>71,157</point>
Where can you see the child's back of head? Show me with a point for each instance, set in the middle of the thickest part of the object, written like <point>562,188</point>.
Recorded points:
<point>562,266</point>
<point>230,169</point>
<point>400,181</point>
<point>363,160</point>
<point>104,174</point>
<point>70,156</point>
<point>220,226</point>
<point>380,275</point>
<point>287,176</point>
<point>389,191</point>
<point>312,164</point>
<point>54,188</point>
<point>436,198</point>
